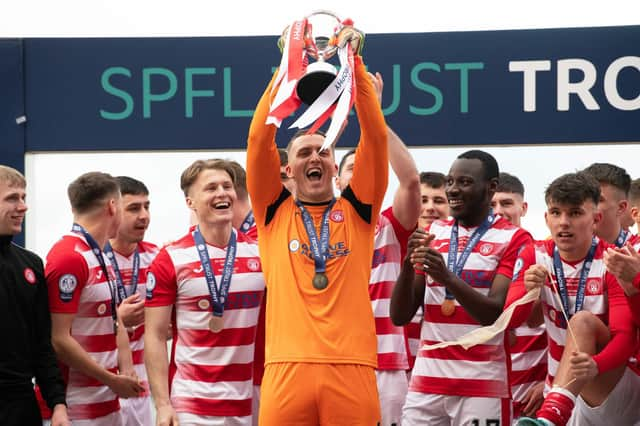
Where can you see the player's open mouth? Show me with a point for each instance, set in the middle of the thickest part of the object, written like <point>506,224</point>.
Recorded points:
<point>222,205</point>
<point>314,174</point>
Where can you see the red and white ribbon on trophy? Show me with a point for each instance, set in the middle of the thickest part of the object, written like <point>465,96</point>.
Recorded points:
<point>335,101</point>
<point>342,89</point>
<point>292,67</point>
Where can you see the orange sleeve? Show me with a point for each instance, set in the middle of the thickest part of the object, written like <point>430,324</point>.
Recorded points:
<point>369,181</point>
<point>263,161</point>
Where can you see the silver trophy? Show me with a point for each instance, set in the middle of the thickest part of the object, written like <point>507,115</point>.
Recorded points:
<point>320,43</point>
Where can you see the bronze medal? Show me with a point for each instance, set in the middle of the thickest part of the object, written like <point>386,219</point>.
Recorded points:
<point>320,281</point>
<point>448,307</point>
<point>216,324</point>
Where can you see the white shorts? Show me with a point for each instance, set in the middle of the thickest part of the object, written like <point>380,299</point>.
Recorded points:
<point>136,411</point>
<point>188,419</point>
<point>255,404</point>
<point>622,406</point>
<point>448,410</point>
<point>392,391</point>
<point>113,419</point>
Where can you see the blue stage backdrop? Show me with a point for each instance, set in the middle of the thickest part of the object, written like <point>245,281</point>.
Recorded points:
<point>493,87</point>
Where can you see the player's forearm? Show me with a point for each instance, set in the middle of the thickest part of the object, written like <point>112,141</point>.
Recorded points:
<point>403,304</point>
<point>157,365</point>
<point>69,351</point>
<point>483,309</point>
<point>125,361</point>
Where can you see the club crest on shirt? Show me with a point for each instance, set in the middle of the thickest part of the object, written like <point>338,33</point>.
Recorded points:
<point>151,284</point>
<point>594,287</point>
<point>102,308</point>
<point>67,284</point>
<point>486,249</point>
<point>253,265</point>
<point>294,245</point>
<point>203,304</point>
<point>337,216</point>
<point>29,275</point>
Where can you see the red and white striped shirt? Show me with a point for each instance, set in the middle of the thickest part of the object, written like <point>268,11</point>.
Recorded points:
<point>482,370</point>
<point>77,285</point>
<point>147,252</point>
<point>528,362</point>
<point>390,245</point>
<point>213,370</point>
<point>603,297</point>
<point>412,337</point>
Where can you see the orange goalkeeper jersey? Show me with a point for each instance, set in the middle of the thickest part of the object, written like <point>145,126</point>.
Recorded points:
<point>303,324</point>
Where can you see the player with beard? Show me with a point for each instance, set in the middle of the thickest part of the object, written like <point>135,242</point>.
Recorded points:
<point>459,270</point>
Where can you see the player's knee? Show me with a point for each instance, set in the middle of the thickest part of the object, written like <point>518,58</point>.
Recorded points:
<point>585,322</point>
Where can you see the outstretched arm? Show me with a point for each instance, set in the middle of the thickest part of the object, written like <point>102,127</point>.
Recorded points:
<point>263,161</point>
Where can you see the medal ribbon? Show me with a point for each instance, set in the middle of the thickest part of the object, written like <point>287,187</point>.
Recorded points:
<point>622,238</point>
<point>562,283</point>
<point>122,292</point>
<point>218,294</point>
<point>97,251</point>
<point>457,266</point>
<point>319,247</point>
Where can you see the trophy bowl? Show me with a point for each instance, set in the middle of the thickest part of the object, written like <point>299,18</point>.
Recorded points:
<point>320,43</point>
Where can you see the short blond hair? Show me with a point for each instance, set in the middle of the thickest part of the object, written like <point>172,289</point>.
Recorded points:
<point>12,177</point>
<point>192,172</point>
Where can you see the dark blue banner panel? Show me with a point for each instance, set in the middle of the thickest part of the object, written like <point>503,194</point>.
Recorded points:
<point>493,87</point>
<point>11,104</point>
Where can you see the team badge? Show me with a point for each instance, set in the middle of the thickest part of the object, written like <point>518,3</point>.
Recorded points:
<point>253,265</point>
<point>203,304</point>
<point>486,249</point>
<point>337,216</point>
<point>294,245</point>
<point>593,287</point>
<point>151,284</point>
<point>517,268</point>
<point>552,314</point>
<point>102,308</point>
<point>29,275</point>
<point>67,284</point>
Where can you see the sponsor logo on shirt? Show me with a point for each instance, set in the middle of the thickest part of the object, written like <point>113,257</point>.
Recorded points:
<point>338,249</point>
<point>517,268</point>
<point>29,275</point>
<point>67,284</point>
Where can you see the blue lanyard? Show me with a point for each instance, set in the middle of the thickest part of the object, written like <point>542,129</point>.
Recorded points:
<point>562,283</point>
<point>456,265</point>
<point>122,292</point>
<point>95,248</point>
<point>248,223</point>
<point>622,238</point>
<point>319,247</point>
<point>218,294</point>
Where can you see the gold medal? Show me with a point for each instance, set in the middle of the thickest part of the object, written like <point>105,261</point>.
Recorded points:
<point>216,324</point>
<point>448,307</point>
<point>320,281</point>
